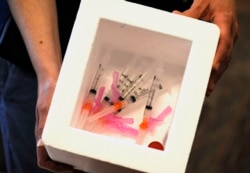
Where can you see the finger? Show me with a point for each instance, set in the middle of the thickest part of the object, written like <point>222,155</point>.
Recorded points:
<point>223,56</point>
<point>40,123</point>
<point>214,77</point>
<point>196,11</point>
<point>45,162</point>
<point>189,13</point>
<point>42,107</point>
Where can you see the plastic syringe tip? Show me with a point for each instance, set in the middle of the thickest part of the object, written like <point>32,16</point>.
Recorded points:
<point>111,109</point>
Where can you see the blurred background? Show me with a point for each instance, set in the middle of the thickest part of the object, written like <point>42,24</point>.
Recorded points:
<point>222,141</point>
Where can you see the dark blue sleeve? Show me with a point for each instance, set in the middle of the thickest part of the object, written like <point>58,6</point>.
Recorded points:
<point>5,17</point>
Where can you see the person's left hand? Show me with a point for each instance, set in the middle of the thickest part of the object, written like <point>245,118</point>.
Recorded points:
<point>223,14</point>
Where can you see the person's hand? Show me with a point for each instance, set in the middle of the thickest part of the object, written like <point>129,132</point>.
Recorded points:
<point>45,92</point>
<point>223,14</point>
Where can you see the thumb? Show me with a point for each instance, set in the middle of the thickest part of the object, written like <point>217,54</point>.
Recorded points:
<point>189,13</point>
<point>195,11</point>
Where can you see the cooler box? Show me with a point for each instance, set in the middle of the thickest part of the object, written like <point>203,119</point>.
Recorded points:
<point>131,89</point>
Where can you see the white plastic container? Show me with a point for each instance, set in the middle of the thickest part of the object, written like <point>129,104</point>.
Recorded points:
<point>120,35</point>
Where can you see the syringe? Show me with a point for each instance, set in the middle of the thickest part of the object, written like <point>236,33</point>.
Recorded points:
<point>107,102</point>
<point>115,107</point>
<point>126,79</point>
<point>90,98</point>
<point>125,99</point>
<point>131,86</point>
<point>125,83</point>
<point>121,102</point>
<point>114,93</point>
<point>144,125</point>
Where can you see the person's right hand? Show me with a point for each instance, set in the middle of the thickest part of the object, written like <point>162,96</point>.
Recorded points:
<point>45,93</point>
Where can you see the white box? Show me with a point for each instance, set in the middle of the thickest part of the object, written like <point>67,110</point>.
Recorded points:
<point>117,35</point>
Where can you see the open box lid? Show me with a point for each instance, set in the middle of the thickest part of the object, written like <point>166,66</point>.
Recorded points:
<point>65,143</point>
